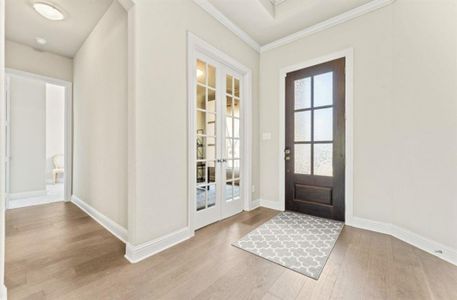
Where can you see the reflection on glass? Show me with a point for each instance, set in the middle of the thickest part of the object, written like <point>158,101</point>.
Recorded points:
<point>229,127</point>
<point>201,198</point>
<point>211,195</point>
<point>229,84</point>
<point>303,93</point>
<point>303,126</point>
<point>323,124</point>
<point>237,88</point>
<point>228,148</point>
<point>236,128</point>
<point>228,110</point>
<point>201,172</point>
<point>201,72</point>
<point>236,148</point>
<point>201,122</point>
<point>201,147</point>
<point>236,108</point>
<point>201,97</point>
<point>323,162</point>
<point>236,189</point>
<point>211,76</point>
<point>236,168</point>
<point>211,126</point>
<point>302,159</point>
<point>211,148</point>
<point>211,100</point>
<point>323,89</point>
<point>228,191</point>
<point>229,170</point>
<point>211,171</point>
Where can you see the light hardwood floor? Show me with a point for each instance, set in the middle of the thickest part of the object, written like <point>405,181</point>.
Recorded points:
<point>56,251</point>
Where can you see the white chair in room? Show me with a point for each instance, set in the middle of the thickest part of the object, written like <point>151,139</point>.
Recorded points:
<point>58,161</point>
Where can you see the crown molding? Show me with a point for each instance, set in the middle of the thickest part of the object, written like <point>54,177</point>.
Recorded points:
<point>339,19</point>
<point>214,12</point>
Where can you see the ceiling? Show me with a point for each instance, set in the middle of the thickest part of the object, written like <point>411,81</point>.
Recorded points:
<point>24,25</point>
<point>266,21</point>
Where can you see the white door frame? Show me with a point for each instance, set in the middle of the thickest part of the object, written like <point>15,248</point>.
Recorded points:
<point>196,45</point>
<point>68,148</point>
<point>348,54</point>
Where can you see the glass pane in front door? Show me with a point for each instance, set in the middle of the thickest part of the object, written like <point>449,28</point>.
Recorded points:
<point>206,136</point>
<point>232,153</point>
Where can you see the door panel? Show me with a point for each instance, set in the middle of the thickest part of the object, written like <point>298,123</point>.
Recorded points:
<point>315,130</point>
<point>218,142</point>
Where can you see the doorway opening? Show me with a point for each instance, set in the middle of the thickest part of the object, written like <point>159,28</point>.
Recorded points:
<point>37,139</point>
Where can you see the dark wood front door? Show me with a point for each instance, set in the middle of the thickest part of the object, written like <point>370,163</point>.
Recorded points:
<point>315,139</point>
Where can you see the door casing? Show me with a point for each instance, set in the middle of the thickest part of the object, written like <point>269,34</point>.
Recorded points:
<point>197,46</point>
<point>348,55</point>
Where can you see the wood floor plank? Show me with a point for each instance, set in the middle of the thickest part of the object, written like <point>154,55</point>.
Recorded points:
<point>56,251</point>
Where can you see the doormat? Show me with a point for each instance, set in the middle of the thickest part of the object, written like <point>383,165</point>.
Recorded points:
<point>296,241</point>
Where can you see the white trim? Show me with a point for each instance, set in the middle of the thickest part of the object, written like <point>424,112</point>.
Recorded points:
<point>339,19</point>
<point>336,20</point>
<point>137,253</point>
<point>19,203</point>
<point>3,292</point>
<point>437,249</point>
<point>215,13</point>
<point>68,152</point>
<point>197,46</point>
<point>272,204</point>
<point>254,204</point>
<point>30,194</point>
<point>116,229</point>
<point>349,100</point>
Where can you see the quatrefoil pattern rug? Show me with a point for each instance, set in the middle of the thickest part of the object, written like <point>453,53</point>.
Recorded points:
<point>296,241</point>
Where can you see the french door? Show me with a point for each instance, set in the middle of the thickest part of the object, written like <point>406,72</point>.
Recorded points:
<point>315,139</point>
<point>218,128</point>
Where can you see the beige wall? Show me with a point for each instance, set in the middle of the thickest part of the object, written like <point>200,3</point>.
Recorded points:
<point>158,206</point>
<point>25,58</point>
<point>405,125</point>
<point>100,117</point>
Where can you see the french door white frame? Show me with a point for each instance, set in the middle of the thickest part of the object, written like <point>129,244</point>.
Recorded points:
<point>68,147</point>
<point>199,48</point>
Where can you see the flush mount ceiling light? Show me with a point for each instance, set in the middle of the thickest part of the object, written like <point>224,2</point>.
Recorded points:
<point>48,11</point>
<point>41,41</point>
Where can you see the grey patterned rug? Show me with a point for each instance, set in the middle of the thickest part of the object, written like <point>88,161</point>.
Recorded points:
<point>296,241</point>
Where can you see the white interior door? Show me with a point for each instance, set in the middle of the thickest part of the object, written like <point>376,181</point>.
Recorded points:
<point>217,141</point>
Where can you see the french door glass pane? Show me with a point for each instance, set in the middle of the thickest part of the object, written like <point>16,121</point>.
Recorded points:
<point>303,93</point>
<point>229,170</point>
<point>201,198</point>
<point>228,110</point>
<point>201,97</point>
<point>211,195</point>
<point>211,76</point>
<point>201,122</point>
<point>323,89</point>
<point>201,147</point>
<point>236,189</point>
<point>201,173</point>
<point>211,172</point>
<point>211,148</point>
<point>302,162</point>
<point>229,85</point>
<point>236,148</point>
<point>323,162</point>
<point>236,128</point>
<point>323,124</point>
<point>211,106</point>
<point>229,127</point>
<point>211,124</point>
<point>237,88</point>
<point>303,126</point>
<point>236,108</point>
<point>228,149</point>
<point>236,168</point>
<point>201,72</point>
<point>228,191</point>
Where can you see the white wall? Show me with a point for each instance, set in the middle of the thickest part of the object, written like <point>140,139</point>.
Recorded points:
<point>2,151</point>
<point>158,198</point>
<point>25,58</point>
<point>100,117</point>
<point>27,100</point>
<point>55,126</point>
<point>405,104</point>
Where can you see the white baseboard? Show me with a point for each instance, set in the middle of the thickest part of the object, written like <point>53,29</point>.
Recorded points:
<point>437,249</point>
<point>136,253</point>
<point>116,229</point>
<point>276,205</point>
<point>19,203</point>
<point>31,194</point>
<point>3,292</point>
